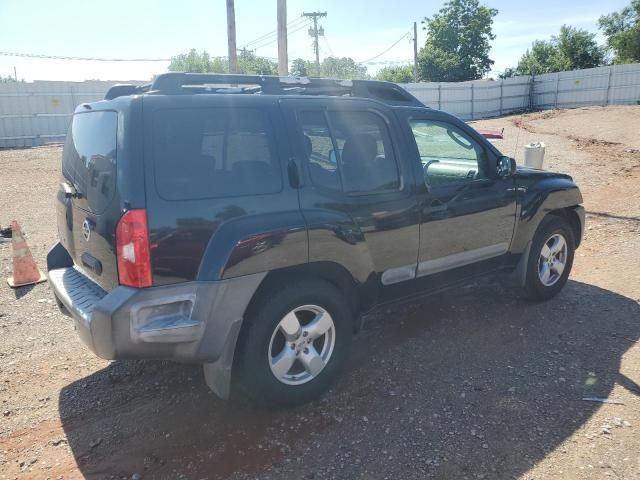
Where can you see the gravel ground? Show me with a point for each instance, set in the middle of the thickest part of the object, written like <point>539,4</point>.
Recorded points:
<point>470,384</point>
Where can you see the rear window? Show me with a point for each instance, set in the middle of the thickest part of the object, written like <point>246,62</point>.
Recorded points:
<point>89,159</point>
<point>214,152</point>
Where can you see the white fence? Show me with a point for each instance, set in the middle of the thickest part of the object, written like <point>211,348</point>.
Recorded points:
<point>39,112</point>
<point>477,99</point>
<point>615,85</point>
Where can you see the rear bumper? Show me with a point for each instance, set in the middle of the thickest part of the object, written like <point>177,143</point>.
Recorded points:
<point>191,321</point>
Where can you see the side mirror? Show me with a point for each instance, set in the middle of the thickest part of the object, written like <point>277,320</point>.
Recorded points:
<point>505,167</point>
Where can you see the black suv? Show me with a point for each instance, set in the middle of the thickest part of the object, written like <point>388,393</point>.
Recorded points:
<point>245,222</point>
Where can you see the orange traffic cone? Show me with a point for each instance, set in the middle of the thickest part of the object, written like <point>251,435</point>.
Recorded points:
<point>25,270</point>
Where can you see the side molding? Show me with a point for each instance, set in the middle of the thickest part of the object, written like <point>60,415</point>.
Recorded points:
<point>437,265</point>
<point>399,274</point>
<point>461,259</point>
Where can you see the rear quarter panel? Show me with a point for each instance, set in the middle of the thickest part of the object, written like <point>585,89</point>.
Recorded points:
<point>222,237</point>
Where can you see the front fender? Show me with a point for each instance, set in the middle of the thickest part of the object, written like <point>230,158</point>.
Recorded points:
<point>539,194</point>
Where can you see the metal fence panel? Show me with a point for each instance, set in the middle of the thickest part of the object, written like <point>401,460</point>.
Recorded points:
<point>474,100</point>
<point>614,85</point>
<point>39,112</point>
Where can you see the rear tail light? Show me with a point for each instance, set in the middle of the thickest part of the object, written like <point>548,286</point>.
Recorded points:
<point>132,249</point>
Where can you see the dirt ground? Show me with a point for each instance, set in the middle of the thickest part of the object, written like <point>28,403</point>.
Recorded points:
<point>470,384</point>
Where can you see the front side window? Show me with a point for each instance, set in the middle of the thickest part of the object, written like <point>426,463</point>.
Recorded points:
<point>448,155</point>
<point>349,151</point>
<point>213,152</point>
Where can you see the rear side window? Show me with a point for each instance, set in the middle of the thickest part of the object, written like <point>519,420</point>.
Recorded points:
<point>349,151</point>
<point>364,152</point>
<point>216,152</point>
<point>89,159</point>
<point>320,151</point>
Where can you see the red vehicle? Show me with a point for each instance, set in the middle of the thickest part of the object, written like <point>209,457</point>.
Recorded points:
<point>491,134</point>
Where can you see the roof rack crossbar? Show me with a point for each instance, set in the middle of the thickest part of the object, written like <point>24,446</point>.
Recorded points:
<point>181,83</point>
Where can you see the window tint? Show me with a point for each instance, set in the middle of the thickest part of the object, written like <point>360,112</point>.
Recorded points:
<point>365,153</point>
<point>217,152</point>
<point>89,159</point>
<point>448,155</point>
<point>353,155</point>
<point>323,165</point>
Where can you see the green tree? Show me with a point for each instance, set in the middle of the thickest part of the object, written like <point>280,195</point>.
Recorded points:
<point>579,49</point>
<point>571,49</point>
<point>345,67</point>
<point>622,31</point>
<point>301,68</point>
<point>194,62</point>
<point>543,57</point>
<point>508,73</point>
<point>458,42</point>
<point>254,65</point>
<point>400,74</point>
<point>330,67</point>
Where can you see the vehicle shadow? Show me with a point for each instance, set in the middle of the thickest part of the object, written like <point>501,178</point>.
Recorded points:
<point>470,382</point>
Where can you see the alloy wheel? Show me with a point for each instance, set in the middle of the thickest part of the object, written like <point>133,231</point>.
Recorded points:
<point>552,260</point>
<point>301,344</point>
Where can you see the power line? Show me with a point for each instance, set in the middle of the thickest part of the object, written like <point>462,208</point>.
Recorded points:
<point>406,34</point>
<point>291,32</point>
<point>95,59</point>
<point>324,37</point>
<point>270,41</point>
<point>388,62</point>
<point>290,24</point>
<point>293,23</point>
<point>269,36</point>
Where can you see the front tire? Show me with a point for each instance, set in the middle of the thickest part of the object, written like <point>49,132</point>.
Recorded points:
<point>294,343</point>
<point>550,258</point>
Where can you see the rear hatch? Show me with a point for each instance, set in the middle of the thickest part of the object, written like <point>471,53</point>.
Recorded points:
<point>88,205</point>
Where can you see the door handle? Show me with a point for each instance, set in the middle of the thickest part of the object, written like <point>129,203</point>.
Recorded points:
<point>294,174</point>
<point>436,209</point>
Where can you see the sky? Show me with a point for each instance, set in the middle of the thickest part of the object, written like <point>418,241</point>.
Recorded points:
<point>159,29</point>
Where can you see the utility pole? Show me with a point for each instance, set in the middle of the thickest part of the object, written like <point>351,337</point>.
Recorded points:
<point>231,37</point>
<point>15,73</point>
<point>415,52</point>
<point>283,59</point>
<point>314,32</point>
<point>244,51</point>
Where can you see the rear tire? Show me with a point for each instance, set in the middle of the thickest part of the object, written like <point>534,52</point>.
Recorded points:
<point>550,258</point>
<point>294,343</point>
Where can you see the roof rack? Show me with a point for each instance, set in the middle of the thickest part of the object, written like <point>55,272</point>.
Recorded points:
<point>122,89</point>
<point>175,83</point>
